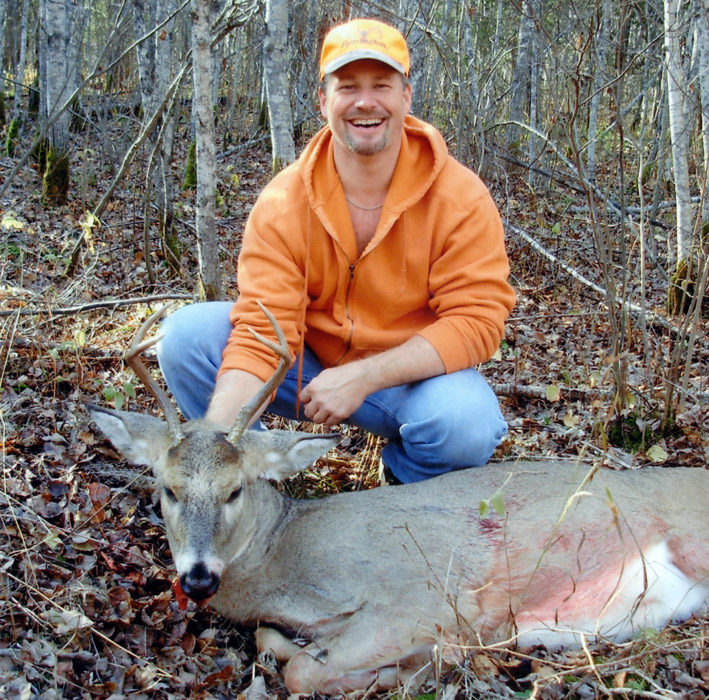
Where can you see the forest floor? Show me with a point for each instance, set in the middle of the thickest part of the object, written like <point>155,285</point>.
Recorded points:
<point>86,602</point>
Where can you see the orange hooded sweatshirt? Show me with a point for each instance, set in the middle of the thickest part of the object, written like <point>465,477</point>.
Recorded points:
<point>435,267</point>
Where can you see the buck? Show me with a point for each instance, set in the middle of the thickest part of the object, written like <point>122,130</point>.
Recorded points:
<point>357,590</point>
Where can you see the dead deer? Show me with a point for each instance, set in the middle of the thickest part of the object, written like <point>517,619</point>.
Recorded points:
<point>356,590</point>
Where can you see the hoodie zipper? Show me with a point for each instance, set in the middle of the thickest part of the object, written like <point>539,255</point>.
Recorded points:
<point>348,344</point>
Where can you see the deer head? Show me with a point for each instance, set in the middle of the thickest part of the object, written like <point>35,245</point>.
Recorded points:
<point>211,479</point>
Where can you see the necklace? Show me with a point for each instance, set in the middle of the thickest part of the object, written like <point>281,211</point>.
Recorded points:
<point>359,206</point>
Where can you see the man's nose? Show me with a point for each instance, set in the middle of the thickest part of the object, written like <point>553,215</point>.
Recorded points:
<point>365,99</point>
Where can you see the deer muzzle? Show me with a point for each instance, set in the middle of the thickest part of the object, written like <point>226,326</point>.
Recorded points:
<point>199,583</point>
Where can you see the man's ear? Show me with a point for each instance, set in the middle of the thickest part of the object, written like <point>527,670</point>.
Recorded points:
<point>408,96</point>
<point>322,97</point>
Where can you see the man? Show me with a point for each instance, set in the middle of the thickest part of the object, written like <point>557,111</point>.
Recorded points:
<point>382,259</point>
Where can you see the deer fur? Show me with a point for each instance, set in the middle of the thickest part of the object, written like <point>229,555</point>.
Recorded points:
<point>356,590</point>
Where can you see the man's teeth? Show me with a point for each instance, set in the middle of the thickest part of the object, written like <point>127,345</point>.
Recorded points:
<point>366,122</point>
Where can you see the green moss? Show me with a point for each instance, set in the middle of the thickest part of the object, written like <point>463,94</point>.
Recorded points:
<point>39,154</point>
<point>681,290</point>
<point>634,432</point>
<point>189,181</point>
<point>625,433</point>
<point>172,249</point>
<point>13,134</point>
<point>55,184</point>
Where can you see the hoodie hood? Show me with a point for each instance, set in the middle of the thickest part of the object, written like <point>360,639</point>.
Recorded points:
<point>436,266</point>
<point>421,159</point>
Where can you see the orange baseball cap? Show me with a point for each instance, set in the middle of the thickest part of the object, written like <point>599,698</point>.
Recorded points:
<point>364,38</point>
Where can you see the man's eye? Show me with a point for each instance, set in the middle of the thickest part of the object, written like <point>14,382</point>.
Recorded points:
<point>234,495</point>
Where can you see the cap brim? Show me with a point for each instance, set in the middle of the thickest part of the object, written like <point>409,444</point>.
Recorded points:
<point>358,55</point>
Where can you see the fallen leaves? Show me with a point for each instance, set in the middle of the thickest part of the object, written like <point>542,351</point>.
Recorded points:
<point>87,608</point>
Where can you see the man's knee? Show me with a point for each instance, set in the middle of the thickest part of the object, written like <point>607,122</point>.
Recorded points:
<point>455,423</point>
<point>190,353</point>
<point>194,332</point>
<point>454,441</point>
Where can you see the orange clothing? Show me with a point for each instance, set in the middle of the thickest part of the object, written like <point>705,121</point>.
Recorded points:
<point>435,267</point>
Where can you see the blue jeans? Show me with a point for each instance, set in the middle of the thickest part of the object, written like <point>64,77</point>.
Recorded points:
<point>448,422</point>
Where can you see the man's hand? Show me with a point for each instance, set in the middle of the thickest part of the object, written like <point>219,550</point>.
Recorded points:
<point>336,393</point>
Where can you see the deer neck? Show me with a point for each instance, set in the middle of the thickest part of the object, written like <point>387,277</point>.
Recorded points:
<point>266,513</point>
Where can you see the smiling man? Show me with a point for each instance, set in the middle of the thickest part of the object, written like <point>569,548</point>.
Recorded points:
<point>383,260</point>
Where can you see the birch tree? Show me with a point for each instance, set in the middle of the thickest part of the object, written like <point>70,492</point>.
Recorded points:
<point>675,29</point>
<point>520,87</point>
<point>155,70</point>
<point>205,137</point>
<point>600,76</point>
<point>417,14</point>
<point>701,13</point>
<point>56,23</point>
<point>3,17</point>
<point>306,76</point>
<point>20,75</point>
<point>472,116</point>
<point>275,68</point>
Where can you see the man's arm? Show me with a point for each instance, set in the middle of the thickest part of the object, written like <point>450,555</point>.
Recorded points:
<point>233,389</point>
<point>336,393</point>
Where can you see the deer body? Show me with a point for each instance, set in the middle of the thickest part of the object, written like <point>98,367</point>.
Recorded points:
<point>369,584</point>
<point>372,581</point>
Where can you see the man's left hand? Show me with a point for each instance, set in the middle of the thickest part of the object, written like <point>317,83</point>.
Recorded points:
<point>335,394</point>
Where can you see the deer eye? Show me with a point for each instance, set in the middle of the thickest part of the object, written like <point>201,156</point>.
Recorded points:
<point>234,495</point>
<point>170,494</point>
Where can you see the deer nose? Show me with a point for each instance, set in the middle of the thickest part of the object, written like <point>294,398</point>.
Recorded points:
<point>199,583</point>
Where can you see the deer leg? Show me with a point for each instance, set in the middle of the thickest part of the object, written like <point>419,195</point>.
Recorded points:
<point>305,673</point>
<point>358,657</point>
<point>269,639</point>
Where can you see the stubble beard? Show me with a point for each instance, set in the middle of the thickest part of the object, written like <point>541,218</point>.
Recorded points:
<point>366,148</point>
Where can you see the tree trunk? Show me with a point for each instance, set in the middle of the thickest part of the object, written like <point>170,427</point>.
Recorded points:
<point>675,27</point>
<point>164,72</point>
<point>155,62</point>
<point>56,90</point>
<point>275,68</point>
<point>701,15</point>
<point>205,136</point>
<point>3,17</point>
<point>417,14</point>
<point>308,57</point>
<point>520,86</point>
<point>472,118</point>
<point>143,21</point>
<point>680,290</point>
<point>20,75</point>
<point>600,77</point>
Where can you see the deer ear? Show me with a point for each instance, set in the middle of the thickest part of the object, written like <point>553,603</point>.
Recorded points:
<point>141,439</point>
<point>278,454</point>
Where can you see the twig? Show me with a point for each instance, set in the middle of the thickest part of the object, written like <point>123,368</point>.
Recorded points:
<point>540,392</point>
<point>627,305</point>
<point>105,304</point>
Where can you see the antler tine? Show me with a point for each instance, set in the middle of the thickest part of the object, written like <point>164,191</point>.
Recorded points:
<point>281,349</point>
<point>132,359</point>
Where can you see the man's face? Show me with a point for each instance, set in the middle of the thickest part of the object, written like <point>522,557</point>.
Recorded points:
<point>365,103</point>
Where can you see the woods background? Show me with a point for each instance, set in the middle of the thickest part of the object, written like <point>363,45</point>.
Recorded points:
<point>136,136</point>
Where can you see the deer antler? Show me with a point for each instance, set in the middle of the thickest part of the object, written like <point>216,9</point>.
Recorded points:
<point>132,359</point>
<point>281,349</point>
